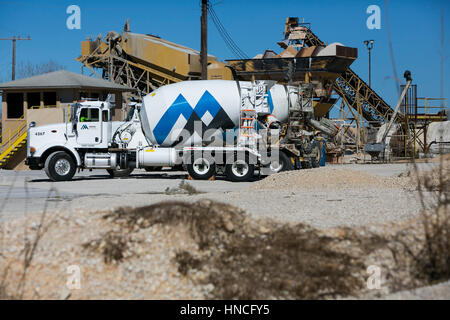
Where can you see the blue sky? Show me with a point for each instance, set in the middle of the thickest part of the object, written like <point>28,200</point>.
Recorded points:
<point>254,26</point>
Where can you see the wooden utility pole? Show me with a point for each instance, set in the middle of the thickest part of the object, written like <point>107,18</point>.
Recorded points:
<point>442,58</point>
<point>204,40</point>
<point>14,39</point>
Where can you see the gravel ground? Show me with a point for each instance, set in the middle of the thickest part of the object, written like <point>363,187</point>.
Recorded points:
<point>328,209</point>
<point>142,275</point>
<point>358,196</point>
<point>439,291</point>
<point>324,197</point>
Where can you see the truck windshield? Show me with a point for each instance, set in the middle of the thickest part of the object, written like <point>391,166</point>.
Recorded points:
<point>89,115</point>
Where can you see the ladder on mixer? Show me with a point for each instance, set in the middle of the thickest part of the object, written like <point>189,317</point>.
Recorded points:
<point>247,127</point>
<point>254,101</point>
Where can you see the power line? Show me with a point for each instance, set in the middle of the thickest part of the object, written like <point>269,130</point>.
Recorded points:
<point>229,42</point>
<point>391,50</point>
<point>226,37</point>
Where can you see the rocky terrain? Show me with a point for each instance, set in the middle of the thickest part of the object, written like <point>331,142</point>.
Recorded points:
<point>206,248</point>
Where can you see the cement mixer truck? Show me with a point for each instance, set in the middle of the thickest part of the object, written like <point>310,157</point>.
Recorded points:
<point>211,127</point>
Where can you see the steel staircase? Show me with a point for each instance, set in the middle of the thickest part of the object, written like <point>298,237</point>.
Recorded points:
<point>13,141</point>
<point>353,90</point>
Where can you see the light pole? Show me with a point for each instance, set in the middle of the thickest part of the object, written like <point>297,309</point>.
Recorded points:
<point>369,46</point>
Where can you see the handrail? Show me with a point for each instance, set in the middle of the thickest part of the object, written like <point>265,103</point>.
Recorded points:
<point>17,120</point>
<point>428,108</point>
<point>13,135</point>
<point>43,107</point>
<point>11,150</point>
<point>22,118</point>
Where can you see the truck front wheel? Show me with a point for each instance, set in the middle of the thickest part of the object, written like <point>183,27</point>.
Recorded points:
<point>59,166</point>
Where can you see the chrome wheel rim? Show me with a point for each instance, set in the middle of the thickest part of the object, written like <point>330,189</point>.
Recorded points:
<point>240,168</point>
<point>62,167</point>
<point>201,166</point>
<point>276,166</point>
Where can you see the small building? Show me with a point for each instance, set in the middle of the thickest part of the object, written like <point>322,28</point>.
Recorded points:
<point>44,99</point>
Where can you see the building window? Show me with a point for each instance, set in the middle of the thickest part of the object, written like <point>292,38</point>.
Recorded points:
<point>95,95</point>
<point>83,95</point>
<point>50,99</point>
<point>15,105</point>
<point>34,99</point>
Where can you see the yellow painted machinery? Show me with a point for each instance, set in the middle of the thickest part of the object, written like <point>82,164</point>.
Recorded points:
<point>144,61</point>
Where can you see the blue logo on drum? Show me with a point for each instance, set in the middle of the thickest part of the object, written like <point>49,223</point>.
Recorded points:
<point>180,107</point>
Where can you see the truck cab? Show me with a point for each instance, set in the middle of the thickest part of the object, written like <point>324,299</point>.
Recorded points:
<point>87,127</point>
<point>90,124</point>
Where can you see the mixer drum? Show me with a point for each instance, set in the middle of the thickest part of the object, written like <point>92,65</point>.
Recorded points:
<point>191,112</point>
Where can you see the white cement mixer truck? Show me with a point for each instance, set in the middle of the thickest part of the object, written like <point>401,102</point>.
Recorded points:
<point>210,127</point>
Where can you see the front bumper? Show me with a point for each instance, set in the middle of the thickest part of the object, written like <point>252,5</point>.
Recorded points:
<point>34,163</point>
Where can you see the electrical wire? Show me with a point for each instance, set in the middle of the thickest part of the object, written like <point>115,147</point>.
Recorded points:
<point>223,33</point>
<point>229,42</point>
<point>391,50</point>
<point>227,38</point>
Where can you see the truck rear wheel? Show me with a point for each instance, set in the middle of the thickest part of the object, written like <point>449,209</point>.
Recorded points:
<point>201,168</point>
<point>283,163</point>
<point>119,173</point>
<point>240,170</point>
<point>315,161</point>
<point>59,166</point>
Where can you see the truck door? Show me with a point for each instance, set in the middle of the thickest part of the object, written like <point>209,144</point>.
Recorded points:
<point>89,128</point>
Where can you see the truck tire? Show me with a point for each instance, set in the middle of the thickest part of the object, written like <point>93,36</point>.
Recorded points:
<point>315,161</point>
<point>240,170</point>
<point>201,168</point>
<point>59,166</point>
<point>284,163</point>
<point>119,173</point>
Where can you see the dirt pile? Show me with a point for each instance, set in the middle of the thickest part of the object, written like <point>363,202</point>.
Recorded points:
<point>113,263</point>
<point>177,250</point>
<point>326,178</point>
<point>242,258</point>
<point>206,249</point>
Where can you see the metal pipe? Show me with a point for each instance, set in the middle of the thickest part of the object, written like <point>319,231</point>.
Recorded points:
<point>407,75</point>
